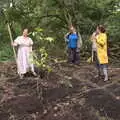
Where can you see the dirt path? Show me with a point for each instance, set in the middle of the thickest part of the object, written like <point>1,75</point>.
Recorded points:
<point>69,93</point>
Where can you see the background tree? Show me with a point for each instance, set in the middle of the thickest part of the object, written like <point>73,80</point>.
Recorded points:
<point>54,17</point>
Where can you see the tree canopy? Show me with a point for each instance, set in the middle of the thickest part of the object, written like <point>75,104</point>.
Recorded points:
<point>54,17</point>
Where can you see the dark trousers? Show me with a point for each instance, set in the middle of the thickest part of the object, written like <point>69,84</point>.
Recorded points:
<point>95,59</point>
<point>78,57</point>
<point>72,55</point>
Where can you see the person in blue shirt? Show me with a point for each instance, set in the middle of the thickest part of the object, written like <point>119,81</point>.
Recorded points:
<point>72,40</point>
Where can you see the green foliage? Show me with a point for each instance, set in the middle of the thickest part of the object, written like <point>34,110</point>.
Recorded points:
<point>41,60</point>
<point>6,53</point>
<point>54,16</point>
<point>40,55</point>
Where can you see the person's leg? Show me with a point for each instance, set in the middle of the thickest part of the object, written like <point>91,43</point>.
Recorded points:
<point>97,64</point>
<point>105,72</point>
<point>73,55</point>
<point>69,55</point>
<point>77,56</point>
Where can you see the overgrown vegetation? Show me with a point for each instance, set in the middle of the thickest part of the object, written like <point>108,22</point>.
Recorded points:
<point>61,91</point>
<point>53,17</point>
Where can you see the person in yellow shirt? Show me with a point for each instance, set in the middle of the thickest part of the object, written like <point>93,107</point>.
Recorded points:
<point>102,55</point>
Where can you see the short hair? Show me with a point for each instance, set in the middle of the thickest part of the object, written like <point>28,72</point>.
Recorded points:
<point>101,28</point>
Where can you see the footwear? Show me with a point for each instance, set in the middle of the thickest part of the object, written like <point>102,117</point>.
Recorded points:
<point>34,73</point>
<point>21,76</point>
<point>96,76</point>
<point>105,79</point>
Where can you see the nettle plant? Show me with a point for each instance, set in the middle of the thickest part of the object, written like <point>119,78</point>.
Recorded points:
<point>40,55</point>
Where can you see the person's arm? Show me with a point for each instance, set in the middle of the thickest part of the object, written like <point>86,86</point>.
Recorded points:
<point>101,40</point>
<point>66,37</point>
<point>16,42</point>
<point>92,38</point>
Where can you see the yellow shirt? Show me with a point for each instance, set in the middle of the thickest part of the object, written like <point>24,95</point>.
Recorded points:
<point>101,43</point>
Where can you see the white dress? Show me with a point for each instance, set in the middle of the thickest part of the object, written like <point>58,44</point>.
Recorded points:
<point>24,57</point>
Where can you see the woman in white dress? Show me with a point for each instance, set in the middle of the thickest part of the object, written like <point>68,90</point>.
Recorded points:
<point>24,63</point>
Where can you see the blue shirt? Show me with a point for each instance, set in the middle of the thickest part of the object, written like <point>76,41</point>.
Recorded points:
<point>72,40</point>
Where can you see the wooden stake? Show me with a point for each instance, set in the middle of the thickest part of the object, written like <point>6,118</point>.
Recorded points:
<point>11,38</point>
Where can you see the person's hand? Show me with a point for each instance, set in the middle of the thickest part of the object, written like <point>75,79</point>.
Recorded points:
<point>12,44</point>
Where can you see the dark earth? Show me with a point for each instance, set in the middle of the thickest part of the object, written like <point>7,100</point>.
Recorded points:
<point>69,92</point>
